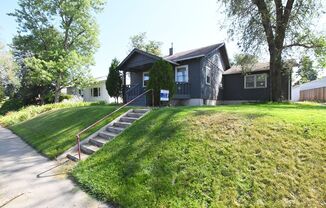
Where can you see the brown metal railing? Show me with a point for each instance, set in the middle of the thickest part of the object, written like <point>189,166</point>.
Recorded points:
<point>97,122</point>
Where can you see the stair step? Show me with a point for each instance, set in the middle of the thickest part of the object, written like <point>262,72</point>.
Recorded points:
<point>122,124</point>
<point>98,141</point>
<point>107,135</point>
<point>113,129</point>
<point>75,158</point>
<point>134,115</point>
<point>88,148</point>
<point>128,119</point>
<point>140,111</point>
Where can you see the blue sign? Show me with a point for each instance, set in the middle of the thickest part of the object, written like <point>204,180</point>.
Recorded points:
<point>164,95</point>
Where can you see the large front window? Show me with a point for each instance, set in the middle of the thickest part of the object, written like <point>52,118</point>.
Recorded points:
<point>255,81</point>
<point>145,79</point>
<point>181,74</point>
<point>96,92</point>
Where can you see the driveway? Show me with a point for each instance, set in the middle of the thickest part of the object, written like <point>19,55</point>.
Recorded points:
<point>28,179</point>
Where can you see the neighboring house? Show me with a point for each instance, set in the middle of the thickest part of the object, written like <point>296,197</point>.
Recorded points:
<point>198,74</point>
<point>312,86</point>
<point>95,93</point>
<point>254,86</point>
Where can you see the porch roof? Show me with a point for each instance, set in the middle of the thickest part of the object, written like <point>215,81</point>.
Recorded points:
<point>138,59</point>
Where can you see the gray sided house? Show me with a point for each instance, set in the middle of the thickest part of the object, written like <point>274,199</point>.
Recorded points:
<point>254,86</point>
<point>198,74</point>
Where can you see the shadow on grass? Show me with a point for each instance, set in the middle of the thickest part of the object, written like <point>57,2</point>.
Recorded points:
<point>131,150</point>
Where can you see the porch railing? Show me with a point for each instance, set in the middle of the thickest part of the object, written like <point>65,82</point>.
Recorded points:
<point>182,90</point>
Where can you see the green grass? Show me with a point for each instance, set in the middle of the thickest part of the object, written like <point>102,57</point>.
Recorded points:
<point>271,155</point>
<point>53,132</point>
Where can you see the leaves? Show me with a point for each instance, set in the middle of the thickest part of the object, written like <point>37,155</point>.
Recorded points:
<point>56,41</point>
<point>114,80</point>
<point>140,42</point>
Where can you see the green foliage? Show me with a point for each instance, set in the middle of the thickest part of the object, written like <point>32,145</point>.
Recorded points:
<point>306,70</point>
<point>161,76</point>
<point>8,73</point>
<point>246,61</point>
<point>53,132</point>
<point>56,41</point>
<point>140,42</point>
<point>223,156</point>
<point>12,104</point>
<point>114,80</point>
<point>277,26</point>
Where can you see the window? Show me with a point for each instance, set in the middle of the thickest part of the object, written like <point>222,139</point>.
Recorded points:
<point>96,92</point>
<point>181,74</point>
<point>145,78</point>
<point>208,75</point>
<point>255,81</point>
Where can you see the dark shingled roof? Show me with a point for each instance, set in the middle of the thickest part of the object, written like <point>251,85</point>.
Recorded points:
<point>256,68</point>
<point>198,52</point>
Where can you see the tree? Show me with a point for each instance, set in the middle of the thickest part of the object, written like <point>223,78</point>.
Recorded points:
<point>306,70</point>
<point>56,41</point>
<point>246,61</point>
<point>140,42</point>
<point>161,76</point>
<point>114,80</point>
<point>279,25</point>
<point>8,73</point>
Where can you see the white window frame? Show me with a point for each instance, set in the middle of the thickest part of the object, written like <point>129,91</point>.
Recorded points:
<point>176,73</point>
<point>207,68</point>
<point>143,78</point>
<point>98,92</point>
<point>255,81</point>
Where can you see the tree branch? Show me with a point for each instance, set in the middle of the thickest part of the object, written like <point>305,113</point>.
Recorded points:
<point>302,45</point>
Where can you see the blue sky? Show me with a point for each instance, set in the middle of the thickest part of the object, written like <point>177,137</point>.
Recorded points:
<point>187,23</point>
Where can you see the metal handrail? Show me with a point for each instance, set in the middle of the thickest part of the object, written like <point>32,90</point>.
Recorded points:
<point>97,122</point>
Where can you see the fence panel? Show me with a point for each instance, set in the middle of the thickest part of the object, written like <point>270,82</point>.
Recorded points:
<point>317,94</point>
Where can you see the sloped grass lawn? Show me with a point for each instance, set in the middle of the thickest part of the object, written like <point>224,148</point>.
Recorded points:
<point>271,155</point>
<point>54,132</point>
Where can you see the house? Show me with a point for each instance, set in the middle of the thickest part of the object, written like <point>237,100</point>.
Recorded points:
<point>198,74</point>
<point>314,91</point>
<point>203,76</point>
<point>253,86</point>
<point>94,93</point>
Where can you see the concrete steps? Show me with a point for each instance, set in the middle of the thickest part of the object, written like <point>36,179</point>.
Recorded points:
<point>106,134</point>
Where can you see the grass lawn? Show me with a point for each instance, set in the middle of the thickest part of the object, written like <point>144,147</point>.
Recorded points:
<point>257,155</point>
<point>54,132</point>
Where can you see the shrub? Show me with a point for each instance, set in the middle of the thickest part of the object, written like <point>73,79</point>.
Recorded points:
<point>11,105</point>
<point>161,76</point>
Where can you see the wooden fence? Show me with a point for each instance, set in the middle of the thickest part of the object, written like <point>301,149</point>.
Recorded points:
<point>317,94</point>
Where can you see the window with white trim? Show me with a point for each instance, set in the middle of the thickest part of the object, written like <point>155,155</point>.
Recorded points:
<point>255,81</point>
<point>96,92</point>
<point>208,75</point>
<point>145,78</point>
<point>181,74</point>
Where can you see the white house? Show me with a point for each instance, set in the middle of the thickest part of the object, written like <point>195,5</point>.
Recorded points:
<point>94,93</point>
<point>295,94</point>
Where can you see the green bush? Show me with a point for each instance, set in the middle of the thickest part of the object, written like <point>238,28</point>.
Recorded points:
<point>161,76</point>
<point>11,105</point>
<point>50,97</point>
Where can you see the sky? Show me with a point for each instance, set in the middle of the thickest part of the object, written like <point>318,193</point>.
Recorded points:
<point>188,24</point>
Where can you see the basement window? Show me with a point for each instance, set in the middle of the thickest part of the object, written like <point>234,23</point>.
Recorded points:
<point>255,81</point>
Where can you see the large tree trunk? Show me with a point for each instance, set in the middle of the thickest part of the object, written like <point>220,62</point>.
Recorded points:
<point>276,76</point>
<point>57,92</point>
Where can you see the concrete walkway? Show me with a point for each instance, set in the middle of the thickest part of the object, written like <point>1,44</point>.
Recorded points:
<point>24,182</point>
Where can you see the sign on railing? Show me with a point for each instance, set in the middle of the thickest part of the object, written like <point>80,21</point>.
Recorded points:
<point>164,95</point>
